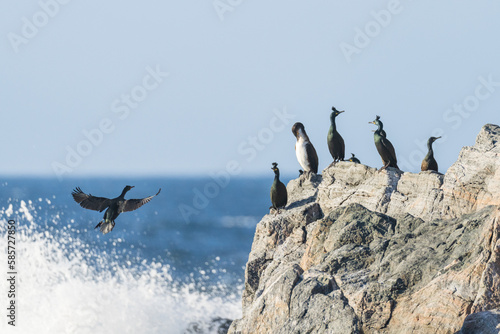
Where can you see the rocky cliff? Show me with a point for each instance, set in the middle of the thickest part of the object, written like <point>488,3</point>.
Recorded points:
<point>363,251</point>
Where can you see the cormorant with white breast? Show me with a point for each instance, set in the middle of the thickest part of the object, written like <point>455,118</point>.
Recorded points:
<point>279,195</point>
<point>306,154</point>
<point>429,163</point>
<point>384,146</point>
<point>334,139</point>
<point>114,206</point>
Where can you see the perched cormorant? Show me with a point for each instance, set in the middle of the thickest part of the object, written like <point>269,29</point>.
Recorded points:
<point>279,195</point>
<point>429,163</point>
<point>335,141</point>
<point>354,159</point>
<point>384,146</point>
<point>114,206</point>
<point>306,154</point>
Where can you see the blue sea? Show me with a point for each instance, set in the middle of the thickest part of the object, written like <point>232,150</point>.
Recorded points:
<point>175,263</point>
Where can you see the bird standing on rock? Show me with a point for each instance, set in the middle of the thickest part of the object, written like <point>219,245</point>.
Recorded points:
<point>354,159</point>
<point>114,206</point>
<point>429,163</point>
<point>279,195</point>
<point>304,149</point>
<point>334,139</point>
<point>384,146</point>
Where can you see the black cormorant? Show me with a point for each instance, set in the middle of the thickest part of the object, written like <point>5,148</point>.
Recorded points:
<point>306,154</point>
<point>429,163</point>
<point>334,139</point>
<point>279,195</point>
<point>354,159</point>
<point>114,206</point>
<point>384,146</point>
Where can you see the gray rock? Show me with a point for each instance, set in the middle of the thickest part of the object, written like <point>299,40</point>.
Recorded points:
<point>215,326</point>
<point>487,322</point>
<point>363,251</point>
<point>469,184</point>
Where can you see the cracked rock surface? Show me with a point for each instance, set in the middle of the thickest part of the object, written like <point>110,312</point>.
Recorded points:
<point>363,251</point>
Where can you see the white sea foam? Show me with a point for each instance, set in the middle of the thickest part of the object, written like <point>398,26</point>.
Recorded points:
<point>64,286</point>
<point>9,211</point>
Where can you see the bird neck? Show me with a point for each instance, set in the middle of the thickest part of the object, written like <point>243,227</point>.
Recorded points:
<point>123,192</point>
<point>276,176</point>
<point>380,126</point>
<point>332,121</point>
<point>380,129</point>
<point>301,134</point>
<point>429,146</point>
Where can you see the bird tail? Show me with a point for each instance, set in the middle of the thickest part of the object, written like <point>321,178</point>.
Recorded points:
<point>106,226</point>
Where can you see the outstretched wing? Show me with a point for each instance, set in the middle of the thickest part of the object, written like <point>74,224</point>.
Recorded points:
<point>90,202</point>
<point>134,204</point>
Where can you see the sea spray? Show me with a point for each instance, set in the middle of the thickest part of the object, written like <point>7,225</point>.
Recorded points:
<point>67,285</point>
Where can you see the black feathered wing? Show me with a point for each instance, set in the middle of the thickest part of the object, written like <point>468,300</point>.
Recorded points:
<point>336,145</point>
<point>390,149</point>
<point>313,157</point>
<point>342,148</point>
<point>429,163</point>
<point>134,204</point>
<point>279,195</point>
<point>90,202</point>
<point>282,190</point>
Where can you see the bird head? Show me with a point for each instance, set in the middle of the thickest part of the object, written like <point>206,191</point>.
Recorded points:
<point>275,168</point>
<point>376,121</point>
<point>127,188</point>
<point>335,112</point>
<point>433,139</point>
<point>297,127</point>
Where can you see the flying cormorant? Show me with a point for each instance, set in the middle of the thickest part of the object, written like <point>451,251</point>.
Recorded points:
<point>334,139</point>
<point>429,163</point>
<point>384,146</point>
<point>354,159</point>
<point>304,149</point>
<point>114,206</point>
<point>279,195</point>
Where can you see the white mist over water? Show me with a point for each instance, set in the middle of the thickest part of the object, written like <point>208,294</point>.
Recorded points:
<point>65,286</point>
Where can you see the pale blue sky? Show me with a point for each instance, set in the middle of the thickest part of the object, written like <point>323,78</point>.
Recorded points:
<point>90,64</point>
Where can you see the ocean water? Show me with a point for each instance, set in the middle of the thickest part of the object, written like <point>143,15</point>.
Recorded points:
<point>158,271</point>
